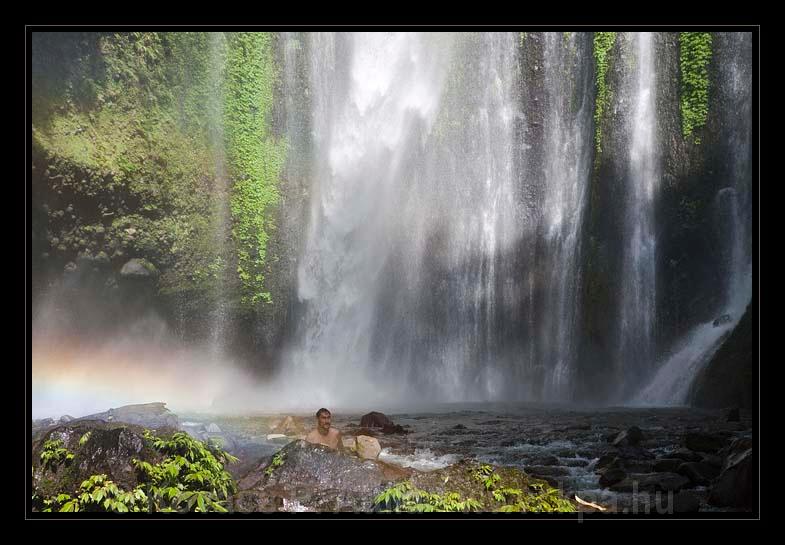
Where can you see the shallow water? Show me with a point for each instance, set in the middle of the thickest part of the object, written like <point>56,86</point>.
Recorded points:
<point>521,436</point>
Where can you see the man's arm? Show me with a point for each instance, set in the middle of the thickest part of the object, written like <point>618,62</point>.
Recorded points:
<point>339,437</point>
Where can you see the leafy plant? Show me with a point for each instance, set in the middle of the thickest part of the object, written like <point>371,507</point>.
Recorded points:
<point>276,462</point>
<point>603,43</point>
<point>55,454</point>
<point>694,56</point>
<point>405,497</point>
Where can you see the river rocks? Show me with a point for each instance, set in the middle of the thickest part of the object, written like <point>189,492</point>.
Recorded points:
<point>698,473</point>
<point>547,471</point>
<point>317,478</point>
<point>670,465</point>
<point>712,460</point>
<point>149,415</point>
<point>545,461</point>
<point>612,476</point>
<point>733,488</point>
<point>368,447</point>
<point>651,482</point>
<point>629,437</point>
<point>704,442</point>
<point>375,420</point>
<point>686,455</point>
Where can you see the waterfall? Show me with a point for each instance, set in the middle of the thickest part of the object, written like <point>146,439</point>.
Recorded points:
<point>567,170</point>
<point>733,219</point>
<point>638,281</point>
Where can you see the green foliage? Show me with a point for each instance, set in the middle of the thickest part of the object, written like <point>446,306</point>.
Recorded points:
<point>191,477</point>
<point>85,438</point>
<point>603,43</point>
<point>276,462</point>
<point>405,497</point>
<point>255,156</point>
<point>540,499</point>
<point>54,454</point>
<point>694,56</point>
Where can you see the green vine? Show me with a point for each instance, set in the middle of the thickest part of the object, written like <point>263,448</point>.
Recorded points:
<point>603,42</point>
<point>694,57</point>
<point>255,156</point>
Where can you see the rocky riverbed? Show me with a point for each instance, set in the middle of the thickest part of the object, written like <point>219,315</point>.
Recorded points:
<point>634,460</point>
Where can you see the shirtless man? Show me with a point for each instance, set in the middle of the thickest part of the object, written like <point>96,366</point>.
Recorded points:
<point>323,434</point>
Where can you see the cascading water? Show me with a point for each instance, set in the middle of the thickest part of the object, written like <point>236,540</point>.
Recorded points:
<point>638,307</point>
<point>567,169</point>
<point>733,217</point>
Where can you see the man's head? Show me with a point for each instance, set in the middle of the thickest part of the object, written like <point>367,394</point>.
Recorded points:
<point>323,420</point>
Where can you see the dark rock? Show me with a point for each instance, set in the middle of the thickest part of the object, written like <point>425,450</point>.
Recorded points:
<point>685,502</point>
<point>508,443</point>
<point>669,465</point>
<point>394,429</point>
<point>459,427</point>
<point>698,473</point>
<point>375,420</point>
<point>734,415</point>
<point>724,319</point>
<point>317,478</point>
<point>704,442</point>
<point>726,380</point>
<point>630,437</point>
<point>149,415</point>
<point>604,461</point>
<point>545,461</point>
<point>686,455</point>
<point>733,488</point>
<point>651,482</point>
<point>65,419</point>
<point>138,269</point>
<point>109,449</point>
<point>634,452</point>
<point>612,476</point>
<point>547,471</point>
<point>713,460</point>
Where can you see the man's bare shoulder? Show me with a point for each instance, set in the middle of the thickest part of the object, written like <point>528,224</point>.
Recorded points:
<point>313,436</point>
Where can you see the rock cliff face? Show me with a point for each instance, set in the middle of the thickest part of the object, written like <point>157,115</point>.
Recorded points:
<point>161,184</point>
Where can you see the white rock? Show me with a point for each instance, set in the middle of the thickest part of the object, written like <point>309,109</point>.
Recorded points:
<point>213,428</point>
<point>368,447</point>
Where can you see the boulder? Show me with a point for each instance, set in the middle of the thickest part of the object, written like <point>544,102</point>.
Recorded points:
<point>686,455</point>
<point>712,460</point>
<point>629,437</point>
<point>375,420</point>
<point>368,447</point>
<point>733,488</point>
<point>612,476</point>
<point>65,419</point>
<point>698,473</point>
<point>108,449</point>
<point>149,415</point>
<point>651,482</point>
<point>669,465</point>
<point>314,477</point>
<point>704,442</point>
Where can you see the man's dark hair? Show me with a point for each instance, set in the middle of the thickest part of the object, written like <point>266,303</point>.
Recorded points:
<point>322,410</point>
